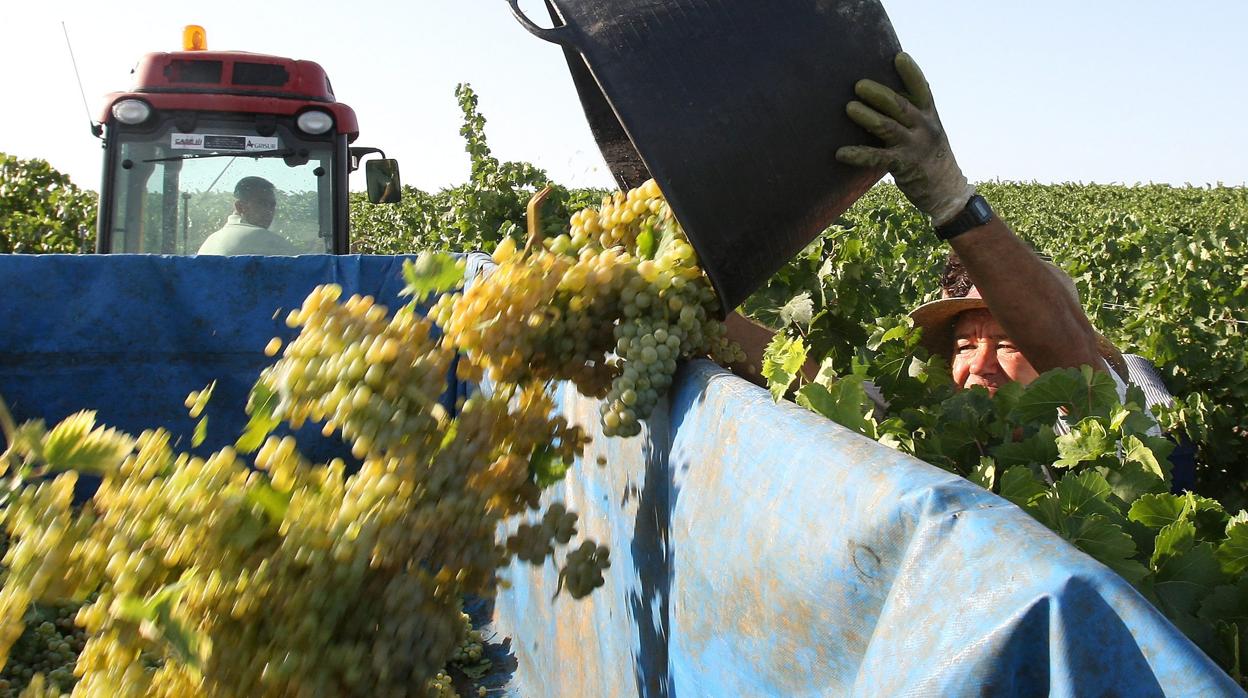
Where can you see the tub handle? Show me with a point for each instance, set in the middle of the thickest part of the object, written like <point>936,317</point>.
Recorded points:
<point>555,35</point>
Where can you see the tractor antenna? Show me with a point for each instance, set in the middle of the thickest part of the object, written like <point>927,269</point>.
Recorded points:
<point>96,129</point>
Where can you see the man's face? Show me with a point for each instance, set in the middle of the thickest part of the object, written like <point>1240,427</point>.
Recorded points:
<point>984,355</point>
<point>257,208</point>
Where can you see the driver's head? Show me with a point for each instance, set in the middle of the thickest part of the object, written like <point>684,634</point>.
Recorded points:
<point>255,201</point>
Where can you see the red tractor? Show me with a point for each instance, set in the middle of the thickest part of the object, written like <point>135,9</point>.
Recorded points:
<point>201,129</point>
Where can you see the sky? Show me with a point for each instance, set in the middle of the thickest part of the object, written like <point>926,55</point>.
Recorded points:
<point>1108,91</point>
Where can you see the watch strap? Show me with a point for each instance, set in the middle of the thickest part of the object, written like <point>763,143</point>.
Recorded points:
<point>976,213</point>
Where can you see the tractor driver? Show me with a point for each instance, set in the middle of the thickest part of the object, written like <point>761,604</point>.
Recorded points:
<point>246,231</point>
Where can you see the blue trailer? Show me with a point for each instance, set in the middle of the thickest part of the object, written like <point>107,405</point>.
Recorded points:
<point>757,549</point>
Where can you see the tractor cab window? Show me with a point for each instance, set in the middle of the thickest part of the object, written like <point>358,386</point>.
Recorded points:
<point>221,188</point>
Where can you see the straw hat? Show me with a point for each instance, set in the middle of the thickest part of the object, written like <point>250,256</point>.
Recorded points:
<point>937,317</point>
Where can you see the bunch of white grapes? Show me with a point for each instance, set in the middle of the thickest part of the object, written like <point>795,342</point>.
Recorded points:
<point>254,571</point>
<point>612,306</point>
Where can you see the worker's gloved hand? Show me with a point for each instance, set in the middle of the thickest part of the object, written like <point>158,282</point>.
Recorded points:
<point>917,152</point>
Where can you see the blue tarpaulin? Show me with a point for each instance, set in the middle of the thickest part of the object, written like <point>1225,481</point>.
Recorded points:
<point>760,550</point>
<point>757,549</point>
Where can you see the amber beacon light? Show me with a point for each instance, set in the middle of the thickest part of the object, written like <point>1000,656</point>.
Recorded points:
<point>194,38</point>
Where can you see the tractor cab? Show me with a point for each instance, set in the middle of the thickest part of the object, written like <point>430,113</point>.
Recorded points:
<point>205,141</point>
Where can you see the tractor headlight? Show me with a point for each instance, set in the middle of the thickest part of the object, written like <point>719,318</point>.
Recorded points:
<point>132,111</point>
<point>315,122</point>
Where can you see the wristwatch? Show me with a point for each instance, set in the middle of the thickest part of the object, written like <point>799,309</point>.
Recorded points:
<point>976,213</point>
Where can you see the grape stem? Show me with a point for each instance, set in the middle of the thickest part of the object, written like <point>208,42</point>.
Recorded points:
<point>534,218</point>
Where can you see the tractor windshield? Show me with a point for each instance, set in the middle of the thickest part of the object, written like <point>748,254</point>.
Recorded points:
<point>219,188</point>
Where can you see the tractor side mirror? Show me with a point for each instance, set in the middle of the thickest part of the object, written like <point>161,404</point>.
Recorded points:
<point>382,177</point>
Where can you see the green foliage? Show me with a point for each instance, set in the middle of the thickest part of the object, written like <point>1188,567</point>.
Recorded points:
<point>41,210</point>
<point>475,215</point>
<point>1161,271</point>
<point>1104,485</point>
<point>431,273</point>
<point>782,361</point>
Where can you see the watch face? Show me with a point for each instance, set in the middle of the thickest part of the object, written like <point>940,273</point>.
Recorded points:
<point>981,210</point>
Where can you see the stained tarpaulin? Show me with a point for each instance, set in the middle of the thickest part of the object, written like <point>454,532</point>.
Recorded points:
<point>760,550</point>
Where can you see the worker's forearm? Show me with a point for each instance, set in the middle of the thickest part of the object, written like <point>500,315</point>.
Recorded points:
<point>1030,302</point>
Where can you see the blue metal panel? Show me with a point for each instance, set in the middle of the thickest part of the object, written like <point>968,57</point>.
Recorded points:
<point>760,550</point>
<point>131,335</point>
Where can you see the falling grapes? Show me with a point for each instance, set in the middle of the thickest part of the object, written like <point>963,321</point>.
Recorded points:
<point>254,571</point>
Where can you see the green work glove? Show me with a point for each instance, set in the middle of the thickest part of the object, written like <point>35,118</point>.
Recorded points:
<point>917,152</point>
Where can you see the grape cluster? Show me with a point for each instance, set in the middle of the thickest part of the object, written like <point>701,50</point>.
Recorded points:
<point>611,306</point>
<point>534,542</point>
<point>582,571</point>
<point>254,571</point>
<point>472,649</point>
<point>49,646</point>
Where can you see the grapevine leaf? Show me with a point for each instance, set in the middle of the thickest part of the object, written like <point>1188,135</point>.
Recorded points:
<point>432,272</point>
<point>1135,421</point>
<point>1099,397</point>
<point>1210,518</point>
<point>798,310</point>
<point>170,594</point>
<point>273,503</point>
<point>1130,481</point>
<point>261,404</point>
<point>137,609</point>
<point>1233,552</point>
<point>1118,417</point>
<point>1173,540</point>
<point>782,359</point>
<point>133,608</point>
<point>1184,580</point>
<point>984,474</point>
<point>1087,442</point>
<point>1137,452</point>
<point>1161,448</point>
<point>184,642</point>
<point>1007,398</point>
<point>827,373</point>
<point>1081,394</point>
<point>1157,510</point>
<point>1228,602</point>
<point>200,433</point>
<point>1046,394</point>
<point>1105,541</point>
<point>1021,487</point>
<point>845,402</point>
<point>547,466</point>
<point>885,334</point>
<point>77,444</point>
<point>1038,449</point>
<point>27,441</point>
<point>1084,494</point>
<point>966,417</point>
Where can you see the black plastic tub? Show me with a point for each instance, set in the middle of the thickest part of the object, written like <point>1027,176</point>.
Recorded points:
<point>735,107</point>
